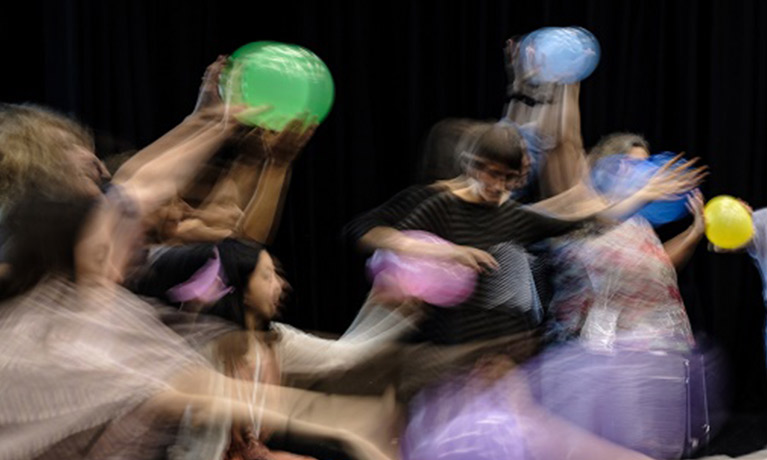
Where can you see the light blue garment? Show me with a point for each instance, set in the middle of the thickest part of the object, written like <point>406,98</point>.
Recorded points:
<point>757,248</point>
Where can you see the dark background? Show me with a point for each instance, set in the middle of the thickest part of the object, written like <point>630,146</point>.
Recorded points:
<point>690,75</point>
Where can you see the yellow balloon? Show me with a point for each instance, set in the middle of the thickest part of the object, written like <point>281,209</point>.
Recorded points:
<point>728,222</point>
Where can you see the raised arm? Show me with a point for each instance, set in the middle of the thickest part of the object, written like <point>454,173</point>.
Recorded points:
<point>565,166</point>
<point>188,128</point>
<point>554,110</point>
<point>160,178</point>
<point>262,213</point>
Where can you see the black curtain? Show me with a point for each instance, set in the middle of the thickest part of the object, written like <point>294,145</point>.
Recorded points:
<point>690,75</point>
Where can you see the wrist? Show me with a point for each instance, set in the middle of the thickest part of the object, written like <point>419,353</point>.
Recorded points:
<point>280,163</point>
<point>283,157</point>
<point>697,230</point>
<point>647,194</point>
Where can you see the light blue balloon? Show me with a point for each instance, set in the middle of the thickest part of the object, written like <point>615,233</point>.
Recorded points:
<point>559,54</point>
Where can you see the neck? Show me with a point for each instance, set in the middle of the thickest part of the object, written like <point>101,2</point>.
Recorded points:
<point>253,322</point>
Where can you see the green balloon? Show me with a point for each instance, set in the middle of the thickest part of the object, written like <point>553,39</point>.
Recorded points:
<point>289,78</point>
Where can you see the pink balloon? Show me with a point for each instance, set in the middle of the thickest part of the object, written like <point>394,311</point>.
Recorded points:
<point>436,281</point>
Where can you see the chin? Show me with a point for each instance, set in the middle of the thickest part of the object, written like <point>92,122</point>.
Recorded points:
<point>273,312</point>
<point>495,200</point>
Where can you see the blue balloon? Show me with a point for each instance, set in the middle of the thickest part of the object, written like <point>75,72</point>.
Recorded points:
<point>663,212</point>
<point>559,54</point>
<point>619,176</point>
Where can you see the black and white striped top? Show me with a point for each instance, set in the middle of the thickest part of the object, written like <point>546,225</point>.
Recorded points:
<point>505,301</point>
<point>482,226</point>
<point>392,211</point>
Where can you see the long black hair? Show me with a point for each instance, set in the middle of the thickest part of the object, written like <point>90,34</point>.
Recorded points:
<point>175,265</point>
<point>239,259</point>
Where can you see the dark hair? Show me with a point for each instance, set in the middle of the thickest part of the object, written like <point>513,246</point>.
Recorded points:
<point>617,143</point>
<point>238,260</point>
<point>178,264</point>
<point>42,233</point>
<point>444,145</point>
<point>172,267</point>
<point>500,143</point>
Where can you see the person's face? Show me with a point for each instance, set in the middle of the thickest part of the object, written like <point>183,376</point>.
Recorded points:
<point>640,153</point>
<point>495,181</point>
<point>265,287</point>
<point>91,170</point>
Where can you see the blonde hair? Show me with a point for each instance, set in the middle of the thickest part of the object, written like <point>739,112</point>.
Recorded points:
<point>34,145</point>
<point>617,143</point>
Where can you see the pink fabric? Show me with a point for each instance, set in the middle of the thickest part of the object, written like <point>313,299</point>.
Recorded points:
<point>206,285</point>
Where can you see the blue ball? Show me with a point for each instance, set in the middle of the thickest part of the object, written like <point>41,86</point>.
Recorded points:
<point>559,54</point>
<point>663,212</point>
<point>619,176</point>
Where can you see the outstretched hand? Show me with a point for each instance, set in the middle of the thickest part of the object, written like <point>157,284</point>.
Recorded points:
<point>674,179</point>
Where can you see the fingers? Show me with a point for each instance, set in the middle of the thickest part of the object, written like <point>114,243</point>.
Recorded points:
<point>243,113</point>
<point>310,126</point>
<point>471,263</point>
<point>459,254</point>
<point>483,259</point>
<point>686,166</point>
<point>695,177</point>
<point>220,61</point>
<point>698,197</point>
<point>676,178</point>
<point>670,163</point>
<point>747,206</point>
<point>690,180</point>
<point>675,169</point>
<point>695,202</point>
<point>214,69</point>
<point>303,125</point>
<point>295,125</point>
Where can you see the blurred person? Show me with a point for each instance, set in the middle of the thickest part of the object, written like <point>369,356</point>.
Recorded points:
<point>46,152</point>
<point>489,231</point>
<point>756,247</point>
<point>638,243</point>
<point>547,116</point>
<point>629,345</point>
<point>238,281</point>
<point>481,215</point>
<point>614,291</point>
<point>87,367</point>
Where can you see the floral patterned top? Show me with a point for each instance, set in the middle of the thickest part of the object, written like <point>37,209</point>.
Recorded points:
<point>618,286</point>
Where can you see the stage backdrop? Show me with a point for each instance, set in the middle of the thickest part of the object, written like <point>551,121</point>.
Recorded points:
<point>690,75</point>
